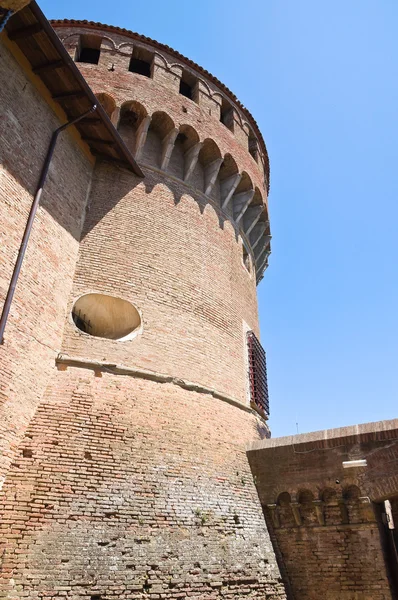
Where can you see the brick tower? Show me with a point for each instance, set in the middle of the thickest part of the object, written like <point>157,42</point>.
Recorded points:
<point>129,478</point>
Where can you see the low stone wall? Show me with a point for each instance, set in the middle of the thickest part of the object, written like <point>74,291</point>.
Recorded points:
<point>326,519</point>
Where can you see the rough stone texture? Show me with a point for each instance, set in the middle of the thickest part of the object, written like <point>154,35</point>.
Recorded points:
<point>126,488</point>
<point>34,329</point>
<point>323,518</point>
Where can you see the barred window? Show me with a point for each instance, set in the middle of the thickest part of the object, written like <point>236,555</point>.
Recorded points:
<point>257,374</point>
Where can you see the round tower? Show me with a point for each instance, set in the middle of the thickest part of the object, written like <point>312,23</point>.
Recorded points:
<point>142,482</point>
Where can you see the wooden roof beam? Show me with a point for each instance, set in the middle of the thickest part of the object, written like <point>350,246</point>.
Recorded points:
<point>49,66</point>
<point>25,32</point>
<point>69,95</point>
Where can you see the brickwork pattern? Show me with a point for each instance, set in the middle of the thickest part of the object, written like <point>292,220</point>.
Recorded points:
<point>172,117</point>
<point>325,519</point>
<point>120,486</point>
<point>160,92</point>
<point>334,562</point>
<point>126,488</point>
<point>34,330</point>
<point>174,262</point>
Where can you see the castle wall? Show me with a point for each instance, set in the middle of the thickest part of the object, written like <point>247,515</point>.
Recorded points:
<point>126,488</point>
<point>34,329</point>
<point>326,520</point>
<point>131,479</point>
<point>161,90</point>
<point>151,243</point>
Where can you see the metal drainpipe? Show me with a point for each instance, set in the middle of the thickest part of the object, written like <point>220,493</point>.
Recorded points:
<point>5,14</point>
<point>32,214</point>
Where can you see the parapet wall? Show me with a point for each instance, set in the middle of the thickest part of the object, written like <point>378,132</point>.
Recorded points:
<point>126,488</point>
<point>187,138</point>
<point>325,517</point>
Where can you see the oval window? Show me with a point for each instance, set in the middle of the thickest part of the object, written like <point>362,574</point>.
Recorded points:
<point>106,316</point>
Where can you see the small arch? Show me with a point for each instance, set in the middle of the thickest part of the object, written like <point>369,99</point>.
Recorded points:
<point>285,513</point>
<point>305,497</point>
<point>210,159</point>
<point>245,183</point>
<point>160,126</point>
<point>242,197</point>
<point>257,198</point>
<point>253,145</point>
<point>188,136</point>
<point>328,495</point>
<point>161,123</point>
<point>284,499</point>
<point>132,114</point>
<point>228,167</point>
<point>308,514</point>
<point>107,102</point>
<point>331,510</point>
<point>351,493</point>
<point>181,157</point>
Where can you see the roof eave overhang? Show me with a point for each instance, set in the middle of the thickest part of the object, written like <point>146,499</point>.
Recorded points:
<point>114,149</point>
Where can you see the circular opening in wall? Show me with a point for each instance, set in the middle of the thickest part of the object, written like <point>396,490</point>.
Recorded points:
<point>106,316</point>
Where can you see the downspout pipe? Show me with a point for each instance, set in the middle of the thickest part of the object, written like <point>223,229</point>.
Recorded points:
<point>32,214</point>
<point>4,16</point>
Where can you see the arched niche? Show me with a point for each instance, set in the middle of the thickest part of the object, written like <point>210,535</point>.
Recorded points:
<point>331,506</point>
<point>159,139</point>
<point>351,495</point>
<point>131,119</point>
<point>185,152</point>
<point>308,515</point>
<point>229,179</point>
<point>242,197</point>
<point>210,161</point>
<point>286,517</point>
<point>108,104</point>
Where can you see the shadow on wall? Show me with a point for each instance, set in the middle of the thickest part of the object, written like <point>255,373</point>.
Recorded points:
<point>178,159</point>
<point>111,184</point>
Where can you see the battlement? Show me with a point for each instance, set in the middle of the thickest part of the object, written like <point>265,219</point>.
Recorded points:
<point>179,122</point>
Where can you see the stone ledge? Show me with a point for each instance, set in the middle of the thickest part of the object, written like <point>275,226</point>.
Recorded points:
<point>329,438</point>
<point>94,365</point>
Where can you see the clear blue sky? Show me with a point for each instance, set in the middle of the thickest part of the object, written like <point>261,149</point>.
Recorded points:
<point>321,80</point>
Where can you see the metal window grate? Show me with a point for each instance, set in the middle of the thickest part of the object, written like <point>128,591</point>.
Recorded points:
<point>257,374</point>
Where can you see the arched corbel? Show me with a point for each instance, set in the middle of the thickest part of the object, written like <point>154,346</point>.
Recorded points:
<point>141,136</point>
<point>191,157</point>
<point>167,148</point>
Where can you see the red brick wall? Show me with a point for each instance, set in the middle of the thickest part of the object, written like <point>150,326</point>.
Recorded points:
<point>152,244</point>
<point>36,320</point>
<point>160,92</point>
<point>334,562</point>
<point>324,519</point>
<point>126,488</point>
